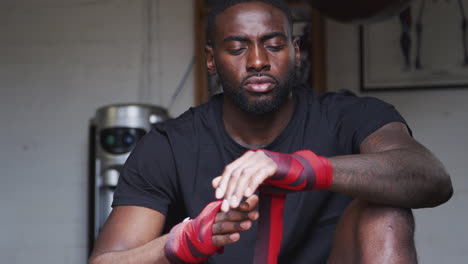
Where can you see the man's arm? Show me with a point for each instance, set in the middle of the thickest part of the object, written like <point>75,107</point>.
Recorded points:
<point>392,169</point>
<point>133,234</point>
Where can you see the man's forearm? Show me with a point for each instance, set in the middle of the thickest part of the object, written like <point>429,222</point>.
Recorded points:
<point>411,178</point>
<point>152,252</point>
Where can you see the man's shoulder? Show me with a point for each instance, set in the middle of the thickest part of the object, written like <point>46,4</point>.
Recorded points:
<point>332,99</point>
<point>190,118</point>
<point>328,99</point>
<point>345,100</point>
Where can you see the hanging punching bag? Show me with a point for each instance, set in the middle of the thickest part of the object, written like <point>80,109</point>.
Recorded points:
<point>359,11</point>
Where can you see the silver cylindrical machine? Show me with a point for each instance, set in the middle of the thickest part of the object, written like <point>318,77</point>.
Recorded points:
<point>115,132</point>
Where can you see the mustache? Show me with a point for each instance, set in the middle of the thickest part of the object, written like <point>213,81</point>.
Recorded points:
<point>259,74</point>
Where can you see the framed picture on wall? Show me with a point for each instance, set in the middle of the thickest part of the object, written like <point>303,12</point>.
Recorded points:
<point>426,46</point>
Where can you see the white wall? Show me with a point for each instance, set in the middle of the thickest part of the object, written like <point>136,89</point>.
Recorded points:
<point>59,61</point>
<point>439,120</point>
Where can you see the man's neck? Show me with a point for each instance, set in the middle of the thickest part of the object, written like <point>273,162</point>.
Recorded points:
<point>251,130</point>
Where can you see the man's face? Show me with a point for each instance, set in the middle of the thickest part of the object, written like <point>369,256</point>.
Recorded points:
<point>254,56</point>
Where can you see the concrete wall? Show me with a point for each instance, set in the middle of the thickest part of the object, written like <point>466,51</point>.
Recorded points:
<point>59,61</point>
<point>439,120</point>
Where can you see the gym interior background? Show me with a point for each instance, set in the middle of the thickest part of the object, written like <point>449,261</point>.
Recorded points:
<point>62,59</point>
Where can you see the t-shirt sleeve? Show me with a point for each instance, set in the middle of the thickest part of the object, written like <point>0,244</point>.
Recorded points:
<point>148,176</point>
<point>353,119</point>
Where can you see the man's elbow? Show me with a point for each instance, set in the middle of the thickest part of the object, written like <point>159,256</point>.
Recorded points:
<point>447,189</point>
<point>442,190</point>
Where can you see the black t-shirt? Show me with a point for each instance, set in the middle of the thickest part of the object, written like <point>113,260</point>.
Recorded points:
<point>171,168</point>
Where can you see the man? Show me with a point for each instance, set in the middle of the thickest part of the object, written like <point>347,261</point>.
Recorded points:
<point>231,146</point>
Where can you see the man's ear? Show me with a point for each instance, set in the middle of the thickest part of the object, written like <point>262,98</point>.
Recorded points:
<point>297,51</point>
<point>210,61</point>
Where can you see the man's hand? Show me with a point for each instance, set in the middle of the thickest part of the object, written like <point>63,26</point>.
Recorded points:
<point>228,225</point>
<point>242,178</point>
<point>302,170</point>
<point>195,240</point>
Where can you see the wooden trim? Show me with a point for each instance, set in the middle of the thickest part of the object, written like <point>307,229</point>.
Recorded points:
<point>200,78</point>
<point>319,69</point>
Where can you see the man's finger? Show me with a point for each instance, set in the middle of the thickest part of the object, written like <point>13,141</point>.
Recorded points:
<point>254,215</point>
<point>223,240</point>
<point>249,204</point>
<point>245,171</point>
<point>237,189</point>
<point>242,184</point>
<point>255,183</point>
<point>232,215</point>
<point>221,190</point>
<point>215,182</point>
<point>232,184</point>
<point>226,227</point>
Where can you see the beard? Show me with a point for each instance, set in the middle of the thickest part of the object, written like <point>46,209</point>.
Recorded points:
<point>260,105</point>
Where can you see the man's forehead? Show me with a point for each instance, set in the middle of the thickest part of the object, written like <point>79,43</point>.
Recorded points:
<point>248,17</point>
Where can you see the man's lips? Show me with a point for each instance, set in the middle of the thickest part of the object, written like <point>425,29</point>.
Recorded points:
<point>261,84</point>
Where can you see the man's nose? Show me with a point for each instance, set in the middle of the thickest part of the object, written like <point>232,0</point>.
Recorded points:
<point>258,60</point>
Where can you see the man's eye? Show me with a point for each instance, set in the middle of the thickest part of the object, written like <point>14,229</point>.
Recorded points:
<point>275,48</point>
<point>235,51</point>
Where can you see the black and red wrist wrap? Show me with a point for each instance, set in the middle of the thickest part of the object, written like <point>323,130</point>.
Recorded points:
<point>301,171</point>
<point>192,241</point>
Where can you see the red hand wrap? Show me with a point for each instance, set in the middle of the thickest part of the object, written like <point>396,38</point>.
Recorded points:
<point>191,241</point>
<point>301,171</point>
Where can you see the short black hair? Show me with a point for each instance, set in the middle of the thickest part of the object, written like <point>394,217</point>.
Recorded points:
<point>222,5</point>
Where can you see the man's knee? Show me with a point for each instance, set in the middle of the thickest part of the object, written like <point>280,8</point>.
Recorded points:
<point>370,233</point>
<point>387,221</point>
